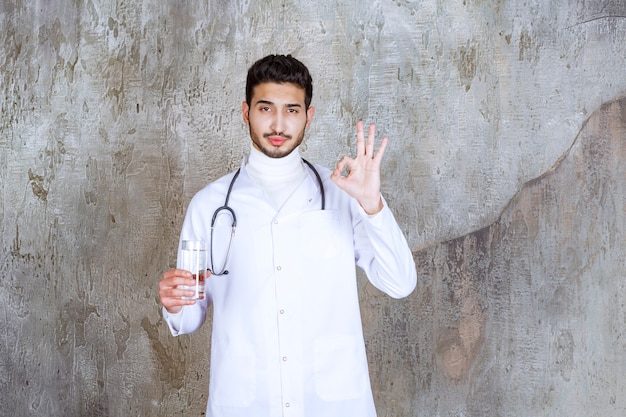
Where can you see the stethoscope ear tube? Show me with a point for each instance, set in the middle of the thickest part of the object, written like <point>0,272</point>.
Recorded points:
<point>224,271</point>
<point>319,180</point>
<point>230,243</point>
<point>230,189</point>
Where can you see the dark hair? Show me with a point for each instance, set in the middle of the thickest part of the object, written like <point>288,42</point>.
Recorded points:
<point>279,69</point>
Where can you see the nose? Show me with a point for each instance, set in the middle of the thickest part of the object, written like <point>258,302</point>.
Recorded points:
<point>278,123</point>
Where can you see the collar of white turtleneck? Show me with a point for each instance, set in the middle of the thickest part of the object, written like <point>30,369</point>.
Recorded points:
<point>278,177</point>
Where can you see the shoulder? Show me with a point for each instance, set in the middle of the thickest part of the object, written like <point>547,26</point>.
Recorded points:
<point>214,190</point>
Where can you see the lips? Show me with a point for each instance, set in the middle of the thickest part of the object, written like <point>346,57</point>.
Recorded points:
<point>277,140</point>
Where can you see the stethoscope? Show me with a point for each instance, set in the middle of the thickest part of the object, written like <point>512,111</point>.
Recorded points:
<point>227,208</point>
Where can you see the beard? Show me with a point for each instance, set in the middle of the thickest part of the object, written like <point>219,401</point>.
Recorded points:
<point>263,145</point>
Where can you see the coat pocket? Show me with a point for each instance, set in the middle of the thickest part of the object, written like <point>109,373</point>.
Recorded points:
<point>321,230</point>
<point>340,368</point>
<point>233,381</point>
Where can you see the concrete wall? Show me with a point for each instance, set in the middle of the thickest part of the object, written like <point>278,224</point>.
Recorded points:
<point>505,170</point>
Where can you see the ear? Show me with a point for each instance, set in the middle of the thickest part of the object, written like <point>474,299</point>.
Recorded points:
<point>309,115</point>
<point>245,110</point>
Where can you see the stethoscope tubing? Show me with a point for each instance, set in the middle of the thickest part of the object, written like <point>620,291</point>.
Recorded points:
<point>226,207</point>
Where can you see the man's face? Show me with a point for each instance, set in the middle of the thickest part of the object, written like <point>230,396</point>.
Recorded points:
<point>277,118</point>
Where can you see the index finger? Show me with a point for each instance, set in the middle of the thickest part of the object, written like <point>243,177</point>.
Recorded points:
<point>177,273</point>
<point>175,277</point>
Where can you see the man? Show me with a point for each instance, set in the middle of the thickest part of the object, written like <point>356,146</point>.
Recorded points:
<point>287,336</point>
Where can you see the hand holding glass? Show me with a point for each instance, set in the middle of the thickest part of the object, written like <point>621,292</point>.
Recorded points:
<point>194,259</point>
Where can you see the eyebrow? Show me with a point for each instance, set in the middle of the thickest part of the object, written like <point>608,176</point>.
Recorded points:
<point>289,105</point>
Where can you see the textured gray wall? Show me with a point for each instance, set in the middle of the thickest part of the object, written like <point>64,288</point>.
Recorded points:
<point>505,170</point>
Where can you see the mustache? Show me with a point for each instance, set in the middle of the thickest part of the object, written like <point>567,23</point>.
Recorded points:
<point>282,135</point>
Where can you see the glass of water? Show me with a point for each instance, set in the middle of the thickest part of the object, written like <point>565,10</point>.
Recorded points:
<point>194,259</point>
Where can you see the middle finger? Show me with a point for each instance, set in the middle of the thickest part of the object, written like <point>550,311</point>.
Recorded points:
<point>369,146</point>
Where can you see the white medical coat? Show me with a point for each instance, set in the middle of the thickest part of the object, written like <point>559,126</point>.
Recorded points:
<point>286,333</point>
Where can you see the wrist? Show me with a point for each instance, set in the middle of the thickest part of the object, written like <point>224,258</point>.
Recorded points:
<point>173,310</point>
<point>372,207</point>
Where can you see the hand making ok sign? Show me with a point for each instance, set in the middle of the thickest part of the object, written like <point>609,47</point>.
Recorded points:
<point>362,180</point>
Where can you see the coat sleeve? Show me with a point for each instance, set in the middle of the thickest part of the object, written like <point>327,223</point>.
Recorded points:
<point>191,317</point>
<point>382,251</point>
<point>188,320</point>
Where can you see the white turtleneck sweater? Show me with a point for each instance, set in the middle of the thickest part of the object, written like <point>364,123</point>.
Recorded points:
<point>278,177</point>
